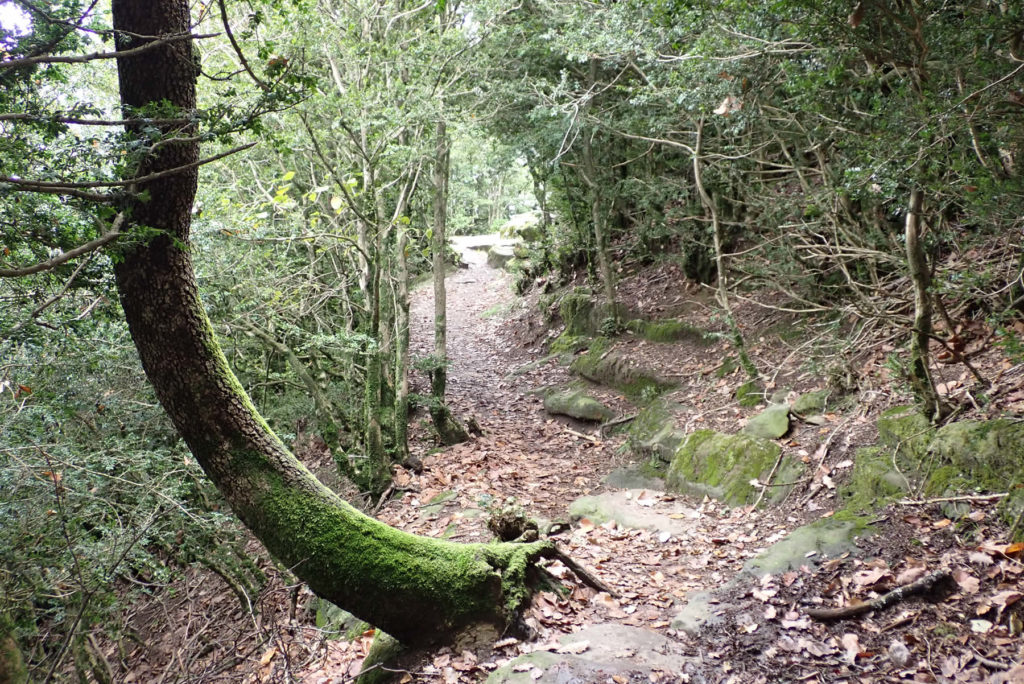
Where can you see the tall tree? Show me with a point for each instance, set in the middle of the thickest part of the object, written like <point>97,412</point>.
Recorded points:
<point>416,589</point>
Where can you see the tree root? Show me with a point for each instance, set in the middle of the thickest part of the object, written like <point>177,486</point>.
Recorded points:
<point>555,553</point>
<point>937,584</point>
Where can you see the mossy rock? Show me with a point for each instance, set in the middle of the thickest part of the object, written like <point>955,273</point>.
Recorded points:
<point>335,623</point>
<point>990,453</point>
<point>811,402</point>
<point>608,368</point>
<point>583,316</point>
<point>906,429</point>
<point>722,466</point>
<point>498,256</point>
<point>653,433</point>
<point>829,537</point>
<point>576,404</point>
<point>383,651</point>
<point>874,481</point>
<point>772,423</point>
<point>669,330</point>
<point>749,394</point>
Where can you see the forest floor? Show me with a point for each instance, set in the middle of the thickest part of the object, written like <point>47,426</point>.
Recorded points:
<point>676,548</point>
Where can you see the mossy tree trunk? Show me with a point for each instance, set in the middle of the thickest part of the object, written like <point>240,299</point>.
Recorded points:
<point>448,428</point>
<point>415,588</point>
<point>917,263</point>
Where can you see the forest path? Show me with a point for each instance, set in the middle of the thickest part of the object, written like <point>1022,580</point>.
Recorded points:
<point>543,464</point>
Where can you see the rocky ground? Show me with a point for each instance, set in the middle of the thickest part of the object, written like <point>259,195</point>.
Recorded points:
<point>701,590</point>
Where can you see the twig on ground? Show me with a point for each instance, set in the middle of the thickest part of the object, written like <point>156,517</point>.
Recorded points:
<point>556,553</point>
<point>595,440</point>
<point>937,581</point>
<point>617,421</point>
<point>950,499</point>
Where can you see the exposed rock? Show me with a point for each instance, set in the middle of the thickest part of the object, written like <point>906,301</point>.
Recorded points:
<point>723,466</point>
<point>653,432</point>
<point>499,255</point>
<point>596,654</point>
<point>576,404</point>
<point>637,476</point>
<point>810,403</point>
<point>807,545</point>
<point>822,539</point>
<point>771,423</point>
<point>622,507</point>
<point>669,330</point>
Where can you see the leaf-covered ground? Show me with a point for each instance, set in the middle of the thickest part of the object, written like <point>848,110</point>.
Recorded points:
<point>969,631</point>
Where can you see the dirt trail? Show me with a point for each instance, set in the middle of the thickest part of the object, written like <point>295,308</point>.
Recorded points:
<point>544,464</point>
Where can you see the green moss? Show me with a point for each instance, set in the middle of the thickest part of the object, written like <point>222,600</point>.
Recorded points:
<point>576,404</point>
<point>607,368</point>
<point>384,649</point>
<point>722,466</point>
<point>811,402</point>
<point>749,394</point>
<point>874,481</point>
<point>1011,510</point>
<point>906,429</point>
<point>413,587</point>
<point>568,343</point>
<point>669,330</point>
<point>728,367</point>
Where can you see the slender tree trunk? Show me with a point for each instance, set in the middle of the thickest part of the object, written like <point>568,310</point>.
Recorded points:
<point>598,215</point>
<point>402,346</point>
<point>723,281</point>
<point>449,429</point>
<point>414,588</point>
<point>917,263</point>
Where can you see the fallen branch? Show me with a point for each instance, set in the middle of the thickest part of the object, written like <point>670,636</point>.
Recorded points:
<point>950,499</point>
<point>595,440</point>
<point>937,582</point>
<point>555,553</point>
<point>617,421</point>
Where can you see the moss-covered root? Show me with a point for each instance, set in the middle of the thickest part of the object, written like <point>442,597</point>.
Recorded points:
<point>418,589</point>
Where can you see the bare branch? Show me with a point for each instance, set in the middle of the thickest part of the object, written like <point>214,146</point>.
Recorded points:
<point>46,186</point>
<point>91,246</point>
<point>79,59</point>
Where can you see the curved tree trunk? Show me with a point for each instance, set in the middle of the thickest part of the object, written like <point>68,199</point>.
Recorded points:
<point>414,588</point>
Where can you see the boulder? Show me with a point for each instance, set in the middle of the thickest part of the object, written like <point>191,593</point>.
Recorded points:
<point>771,423</point>
<point>723,466</point>
<point>576,404</point>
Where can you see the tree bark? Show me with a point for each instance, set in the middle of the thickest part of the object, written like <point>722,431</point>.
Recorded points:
<point>416,589</point>
<point>920,373</point>
<point>448,428</point>
<point>722,291</point>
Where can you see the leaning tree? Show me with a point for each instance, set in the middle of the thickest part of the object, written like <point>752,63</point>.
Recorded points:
<point>416,589</point>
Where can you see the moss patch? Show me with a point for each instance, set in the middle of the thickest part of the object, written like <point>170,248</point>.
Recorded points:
<point>669,330</point>
<point>811,402</point>
<point>906,429</point>
<point>722,466</point>
<point>576,404</point>
<point>749,394</point>
<point>874,482</point>
<point>605,367</point>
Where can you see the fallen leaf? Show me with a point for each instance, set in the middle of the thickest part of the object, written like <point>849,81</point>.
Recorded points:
<point>968,582</point>
<point>852,646</point>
